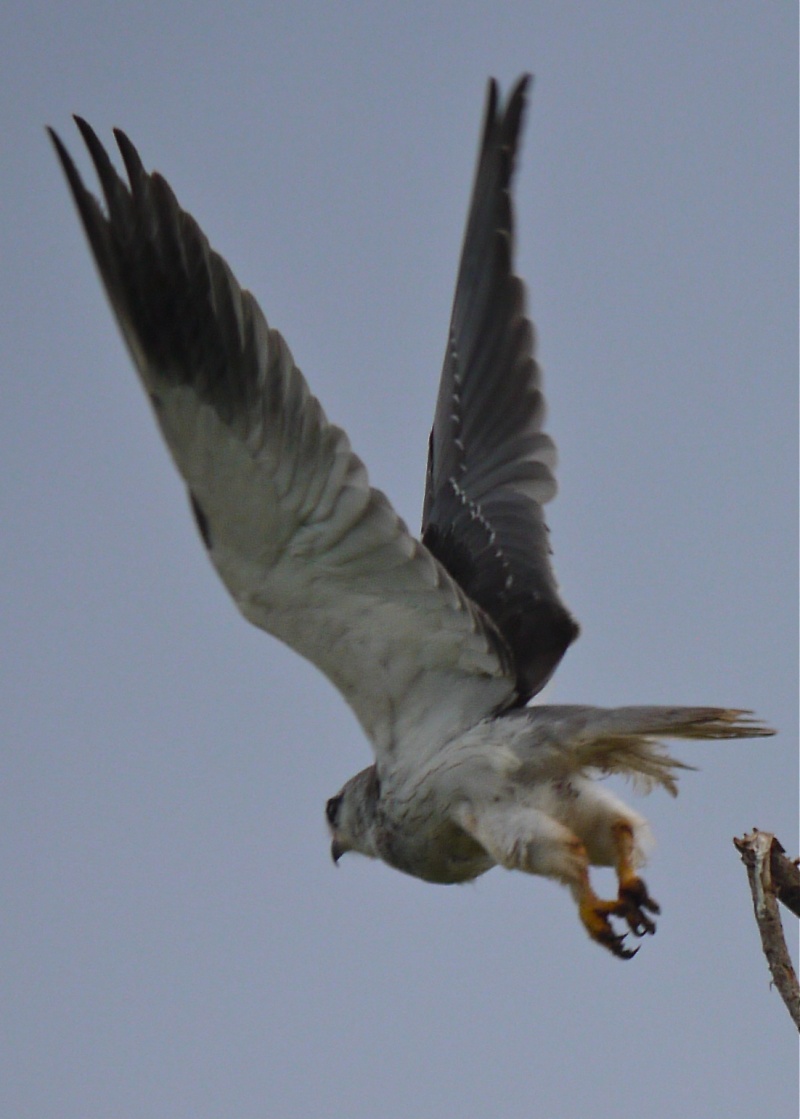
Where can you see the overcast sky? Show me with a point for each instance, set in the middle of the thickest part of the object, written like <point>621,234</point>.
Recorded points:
<point>175,941</point>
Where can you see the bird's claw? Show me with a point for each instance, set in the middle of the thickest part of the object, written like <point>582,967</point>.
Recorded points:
<point>634,904</point>
<point>615,942</point>
<point>595,916</point>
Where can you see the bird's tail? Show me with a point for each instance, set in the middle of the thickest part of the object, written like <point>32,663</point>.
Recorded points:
<point>626,740</point>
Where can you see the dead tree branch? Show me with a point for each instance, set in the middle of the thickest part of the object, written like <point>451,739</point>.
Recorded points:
<point>773,876</point>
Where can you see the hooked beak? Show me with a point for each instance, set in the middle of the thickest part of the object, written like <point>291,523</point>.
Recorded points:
<point>337,850</point>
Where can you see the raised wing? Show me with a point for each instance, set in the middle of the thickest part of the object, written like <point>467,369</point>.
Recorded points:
<point>490,465</point>
<point>306,548</point>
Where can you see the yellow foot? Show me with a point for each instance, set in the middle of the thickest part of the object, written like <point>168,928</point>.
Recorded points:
<point>633,901</point>
<point>633,904</point>
<point>595,915</point>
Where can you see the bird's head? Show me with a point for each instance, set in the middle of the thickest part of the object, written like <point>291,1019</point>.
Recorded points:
<point>351,815</point>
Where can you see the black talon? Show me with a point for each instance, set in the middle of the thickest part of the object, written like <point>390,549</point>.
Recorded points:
<point>633,901</point>
<point>619,949</point>
<point>615,943</point>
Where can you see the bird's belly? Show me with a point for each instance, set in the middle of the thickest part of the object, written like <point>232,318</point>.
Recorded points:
<point>444,854</point>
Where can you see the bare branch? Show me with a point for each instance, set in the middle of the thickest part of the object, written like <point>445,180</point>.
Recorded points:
<point>772,875</point>
<point>785,877</point>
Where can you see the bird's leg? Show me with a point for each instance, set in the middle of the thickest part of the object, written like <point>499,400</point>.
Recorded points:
<point>526,839</point>
<point>633,900</point>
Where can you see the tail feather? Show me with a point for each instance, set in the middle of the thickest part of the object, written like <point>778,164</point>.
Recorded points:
<point>626,740</point>
<point>627,744</point>
<point>683,722</point>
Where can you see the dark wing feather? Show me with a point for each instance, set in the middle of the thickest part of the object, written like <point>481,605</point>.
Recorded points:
<point>307,549</point>
<point>490,465</point>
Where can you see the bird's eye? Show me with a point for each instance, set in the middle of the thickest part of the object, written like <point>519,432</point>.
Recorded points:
<point>332,809</point>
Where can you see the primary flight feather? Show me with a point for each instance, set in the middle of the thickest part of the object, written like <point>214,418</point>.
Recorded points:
<point>437,645</point>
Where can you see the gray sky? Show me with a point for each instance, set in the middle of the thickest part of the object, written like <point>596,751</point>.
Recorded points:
<point>175,940</point>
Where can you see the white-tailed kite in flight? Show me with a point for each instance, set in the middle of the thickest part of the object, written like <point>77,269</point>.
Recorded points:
<point>438,644</point>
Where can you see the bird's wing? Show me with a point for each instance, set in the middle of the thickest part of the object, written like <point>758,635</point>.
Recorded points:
<point>306,548</point>
<point>490,465</point>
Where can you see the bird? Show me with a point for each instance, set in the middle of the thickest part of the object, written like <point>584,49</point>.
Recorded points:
<point>437,643</point>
